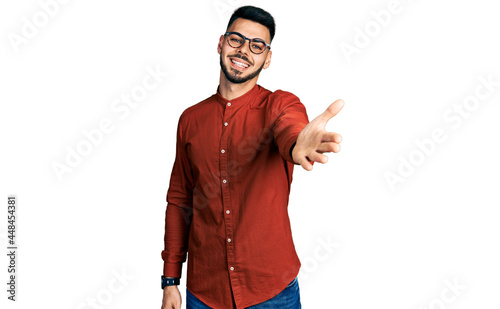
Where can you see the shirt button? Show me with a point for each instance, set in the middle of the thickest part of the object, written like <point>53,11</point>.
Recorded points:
<point>228,103</point>
<point>222,151</point>
<point>232,268</point>
<point>225,123</point>
<point>224,181</point>
<point>229,240</point>
<point>228,211</point>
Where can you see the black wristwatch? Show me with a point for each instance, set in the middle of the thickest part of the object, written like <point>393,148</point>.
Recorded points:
<point>169,281</point>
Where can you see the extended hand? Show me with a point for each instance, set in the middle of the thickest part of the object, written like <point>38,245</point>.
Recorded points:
<point>314,140</point>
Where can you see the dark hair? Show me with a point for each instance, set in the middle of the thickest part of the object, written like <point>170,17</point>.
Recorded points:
<point>255,14</point>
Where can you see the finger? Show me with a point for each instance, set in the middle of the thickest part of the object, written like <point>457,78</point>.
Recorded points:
<point>328,147</point>
<point>331,111</point>
<point>305,163</point>
<point>331,137</point>
<point>336,148</point>
<point>318,157</point>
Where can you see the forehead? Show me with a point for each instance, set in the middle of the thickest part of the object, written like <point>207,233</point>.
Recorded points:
<point>250,29</point>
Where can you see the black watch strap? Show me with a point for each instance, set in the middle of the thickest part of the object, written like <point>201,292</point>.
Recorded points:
<point>169,281</point>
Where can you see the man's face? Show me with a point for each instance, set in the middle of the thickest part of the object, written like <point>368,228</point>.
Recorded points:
<point>240,64</point>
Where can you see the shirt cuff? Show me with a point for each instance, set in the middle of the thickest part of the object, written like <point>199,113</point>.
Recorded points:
<point>292,140</point>
<point>291,150</point>
<point>172,269</point>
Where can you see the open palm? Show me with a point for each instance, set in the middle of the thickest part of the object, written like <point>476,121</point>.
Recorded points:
<point>314,140</point>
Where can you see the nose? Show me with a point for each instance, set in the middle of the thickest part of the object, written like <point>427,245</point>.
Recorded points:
<point>244,48</point>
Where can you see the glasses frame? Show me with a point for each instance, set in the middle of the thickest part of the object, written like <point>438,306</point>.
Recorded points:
<point>268,46</point>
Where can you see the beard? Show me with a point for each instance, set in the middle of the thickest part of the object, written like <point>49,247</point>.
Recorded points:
<point>235,76</point>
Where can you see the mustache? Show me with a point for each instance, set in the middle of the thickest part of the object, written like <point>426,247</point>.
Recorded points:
<point>241,57</point>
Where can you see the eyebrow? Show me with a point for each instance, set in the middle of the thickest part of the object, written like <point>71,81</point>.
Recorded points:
<point>257,38</point>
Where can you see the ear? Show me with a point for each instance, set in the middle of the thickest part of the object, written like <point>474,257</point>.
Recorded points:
<point>267,63</point>
<point>221,42</point>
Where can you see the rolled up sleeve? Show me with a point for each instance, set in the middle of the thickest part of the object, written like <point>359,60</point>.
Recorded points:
<point>290,121</point>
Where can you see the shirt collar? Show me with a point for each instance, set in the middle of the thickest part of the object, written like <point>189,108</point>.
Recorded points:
<point>241,100</point>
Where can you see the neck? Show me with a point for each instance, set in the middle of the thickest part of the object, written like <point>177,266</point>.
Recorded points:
<point>229,90</point>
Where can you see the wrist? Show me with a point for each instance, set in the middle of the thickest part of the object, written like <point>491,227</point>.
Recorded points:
<point>169,281</point>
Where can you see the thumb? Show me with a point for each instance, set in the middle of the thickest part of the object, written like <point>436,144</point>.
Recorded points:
<point>331,111</point>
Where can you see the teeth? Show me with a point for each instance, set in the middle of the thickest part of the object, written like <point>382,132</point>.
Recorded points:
<point>240,64</point>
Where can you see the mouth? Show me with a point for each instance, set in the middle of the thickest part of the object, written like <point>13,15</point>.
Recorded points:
<point>239,64</point>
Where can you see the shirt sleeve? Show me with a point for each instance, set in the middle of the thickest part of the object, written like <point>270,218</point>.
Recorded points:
<point>179,209</point>
<point>291,120</point>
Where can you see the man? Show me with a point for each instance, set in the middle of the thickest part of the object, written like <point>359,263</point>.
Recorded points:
<point>230,182</point>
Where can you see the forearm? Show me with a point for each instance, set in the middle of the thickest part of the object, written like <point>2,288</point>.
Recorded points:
<point>287,127</point>
<point>177,224</point>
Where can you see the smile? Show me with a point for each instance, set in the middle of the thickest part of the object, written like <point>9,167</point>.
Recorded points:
<point>239,64</point>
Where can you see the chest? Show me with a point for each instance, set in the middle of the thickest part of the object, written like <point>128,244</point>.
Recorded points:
<point>236,138</point>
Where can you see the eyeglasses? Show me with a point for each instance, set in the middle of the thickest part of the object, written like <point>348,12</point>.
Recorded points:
<point>236,40</point>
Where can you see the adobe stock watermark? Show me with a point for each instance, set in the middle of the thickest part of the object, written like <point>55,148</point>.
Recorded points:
<point>448,295</point>
<point>454,117</point>
<point>107,294</point>
<point>325,249</point>
<point>225,8</point>
<point>363,35</point>
<point>30,27</point>
<point>121,107</point>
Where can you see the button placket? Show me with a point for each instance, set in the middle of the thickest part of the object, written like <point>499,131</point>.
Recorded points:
<point>226,197</point>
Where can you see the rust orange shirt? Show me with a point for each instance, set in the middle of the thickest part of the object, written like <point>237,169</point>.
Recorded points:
<point>228,197</point>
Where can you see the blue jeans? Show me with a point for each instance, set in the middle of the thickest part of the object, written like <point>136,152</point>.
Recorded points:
<point>289,298</point>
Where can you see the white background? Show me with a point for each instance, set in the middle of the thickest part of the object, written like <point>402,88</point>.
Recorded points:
<point>390,249</point>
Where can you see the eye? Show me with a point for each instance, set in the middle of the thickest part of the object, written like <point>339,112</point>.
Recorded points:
<point>257,47</point>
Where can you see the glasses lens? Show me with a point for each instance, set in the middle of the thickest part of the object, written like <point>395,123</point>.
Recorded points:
<point>257,46</point>
<point>235,40</point>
